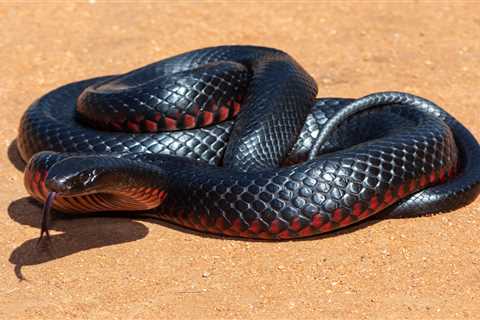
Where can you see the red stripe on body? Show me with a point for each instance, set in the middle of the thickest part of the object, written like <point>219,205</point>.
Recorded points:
<point>365,214</point>
<point>374,202</point>
<point>236,108</point>
<point>223,113</point>
<point>305,232</point>
<point>401,191</point>
<point>412,186</point>
<point>423,181</point>
<point>296,224</point>
<point>433,177</point>
<point>388,197</point>
<point>207,118</point>
<point>203,220</point>
<point>451,172</point>
<point>170,123</point>
<point>255,226</point>
<point>35,190</point>
<point>318,220</point>
<point>327,227</point>
<point>37,176</point>
<point>237,225</point>
<point>285,234</point>
<point>117,125</point>
<point>220,223</point>
<point>442,175</point>
<point>151,126</point>
<point>188,121</point>
<point>157,117</point>
<point>357,208</point>
<point>134,127</point>
<point>347,221</point>
<point>337,215</point>
<point>264,235</point>
<point>275,226</point>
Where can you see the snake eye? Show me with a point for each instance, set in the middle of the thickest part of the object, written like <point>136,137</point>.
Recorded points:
<point>72,182</point>
<point>81,181</point>
<point>82,178</point>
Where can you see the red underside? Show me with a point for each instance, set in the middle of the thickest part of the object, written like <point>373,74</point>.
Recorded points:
<point>278,228</point>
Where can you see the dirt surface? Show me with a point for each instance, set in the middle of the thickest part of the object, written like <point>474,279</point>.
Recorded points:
<point>126,268</point>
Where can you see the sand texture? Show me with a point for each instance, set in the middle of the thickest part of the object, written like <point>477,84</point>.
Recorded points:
<point>104,267</point>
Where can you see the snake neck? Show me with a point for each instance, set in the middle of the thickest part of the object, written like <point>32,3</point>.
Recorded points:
<point>96,183</point>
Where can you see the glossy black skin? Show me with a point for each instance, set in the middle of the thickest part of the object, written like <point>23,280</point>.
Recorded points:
<point>398,139</point>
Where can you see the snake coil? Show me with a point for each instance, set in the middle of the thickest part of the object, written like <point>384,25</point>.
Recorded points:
<point>231,140</point>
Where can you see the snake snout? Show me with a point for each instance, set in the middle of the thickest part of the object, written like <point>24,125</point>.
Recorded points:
<point>72,177</point>
<point>71,184</point>
<point>57,184</point>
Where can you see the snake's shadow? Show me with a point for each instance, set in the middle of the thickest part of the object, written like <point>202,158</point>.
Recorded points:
<point>14,156</point>
<point>84,232</point>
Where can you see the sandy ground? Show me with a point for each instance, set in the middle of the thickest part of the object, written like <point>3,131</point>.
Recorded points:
<point>125,268</point>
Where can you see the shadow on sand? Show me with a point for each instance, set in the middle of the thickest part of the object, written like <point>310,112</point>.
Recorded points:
<point>85,232</point>
<point>14,156</point>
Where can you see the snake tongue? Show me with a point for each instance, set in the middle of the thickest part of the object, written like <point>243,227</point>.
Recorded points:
<point>46,215</point>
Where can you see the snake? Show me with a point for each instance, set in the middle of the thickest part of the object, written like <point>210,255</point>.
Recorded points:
<point>232,140</point>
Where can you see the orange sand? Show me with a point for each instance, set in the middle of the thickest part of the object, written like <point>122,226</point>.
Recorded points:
<point>124,268</point>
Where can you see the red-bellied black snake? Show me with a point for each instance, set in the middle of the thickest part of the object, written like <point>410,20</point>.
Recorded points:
<point>232,140</point>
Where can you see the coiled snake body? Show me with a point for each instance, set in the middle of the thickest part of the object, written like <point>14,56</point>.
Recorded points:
<point>231,140</point>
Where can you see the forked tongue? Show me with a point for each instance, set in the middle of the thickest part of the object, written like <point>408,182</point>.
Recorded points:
<point>46,216</point>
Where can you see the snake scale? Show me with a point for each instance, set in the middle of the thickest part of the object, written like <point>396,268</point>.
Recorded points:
<point>232,140</point>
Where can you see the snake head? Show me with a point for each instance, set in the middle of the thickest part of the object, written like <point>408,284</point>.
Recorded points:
<point>89,183</point>
<point>80,175</point>
<point>92,183</point>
